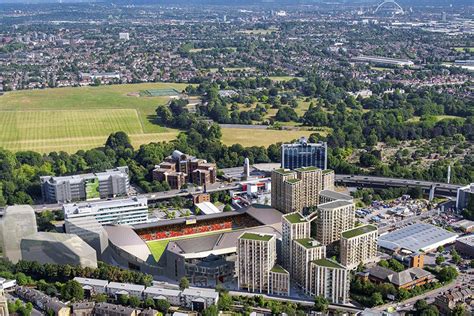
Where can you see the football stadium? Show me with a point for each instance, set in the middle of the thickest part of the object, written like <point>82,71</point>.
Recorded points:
<point>202,248</point>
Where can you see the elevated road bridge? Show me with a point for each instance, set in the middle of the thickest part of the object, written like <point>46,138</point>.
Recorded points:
<point>434,188</point>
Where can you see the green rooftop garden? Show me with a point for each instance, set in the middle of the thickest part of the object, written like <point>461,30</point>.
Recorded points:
<point>295,218</point>
<point>310,168</point>
<point>327,171</point>
<point>328,263</point>
<point>308,242</point>
<point>284,171</point>
<point>278,269</point>
<point>293,180</point>
<point>358,231</point>
<point>252,236</point>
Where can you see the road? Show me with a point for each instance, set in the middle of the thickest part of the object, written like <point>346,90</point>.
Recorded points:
<point>346,308</point>
<point>348,180</point>
<point>370,181</point>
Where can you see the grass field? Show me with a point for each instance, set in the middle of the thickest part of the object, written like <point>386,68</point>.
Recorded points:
<point>464,49</point>
<point>157,248</point>
<point>259,137</point>
<point>80,118</point>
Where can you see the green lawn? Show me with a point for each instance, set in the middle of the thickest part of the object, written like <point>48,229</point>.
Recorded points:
<point>157,248</point>
<point>259,137</point>
<point>80,118</point>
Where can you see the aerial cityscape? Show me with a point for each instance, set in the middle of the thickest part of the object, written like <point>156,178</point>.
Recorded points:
<point>253,157</point>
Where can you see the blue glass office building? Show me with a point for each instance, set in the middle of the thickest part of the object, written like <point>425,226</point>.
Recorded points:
<point>304,154</point>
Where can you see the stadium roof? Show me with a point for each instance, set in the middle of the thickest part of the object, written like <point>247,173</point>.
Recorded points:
<point>264,214</point>
<point>126,239</point>
<point>417,237</point>
<point>208,208</point>
<point>216,244</point>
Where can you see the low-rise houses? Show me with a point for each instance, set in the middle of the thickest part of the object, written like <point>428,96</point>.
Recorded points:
<point>116,289</point>
<point>158,293</point>
<point>448,300</point>
<point>199,299</point>
<point>193,298</point>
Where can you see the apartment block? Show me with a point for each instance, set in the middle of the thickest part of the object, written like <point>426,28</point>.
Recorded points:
<point>329,279</point>
<point>304,251</point>
<point>294,190</point>
<point>90,186</point>
<point>279,281</point>
<point>256,257</point>
<point>294,226</point>
<point>359,245</point>
<point>179,169</point>
<point>328,178</point>
<point>332,219</point>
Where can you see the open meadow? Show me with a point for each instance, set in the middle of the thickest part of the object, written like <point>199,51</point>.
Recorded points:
<point>80,118</point>
<point>69,119</point>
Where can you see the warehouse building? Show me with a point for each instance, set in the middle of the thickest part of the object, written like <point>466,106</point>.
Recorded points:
<point>416,237</point>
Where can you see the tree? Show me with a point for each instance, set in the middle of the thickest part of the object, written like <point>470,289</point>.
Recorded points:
<point>420,305</point>
<point>162,306</point>
<point>472,263</point>
<point>430,310</point>
<point>100,298</point>
<point>458,310</point>
<point>225,302</point>
<point>376,298</point>
<point>227,208</point>
<point>21,279</point>
<point>72,290</point>
<point>211,311</point>
<point>134,301</point>
<point>439,260</point>
<point>286,114</point>
<point>183,283</point>
<point>440,249</point>
<point>123,299</point>
<point>149,303</point>
<point>455,256</point>
<point>321,304</point>
<point>447,274</point>
<point>403,294</point>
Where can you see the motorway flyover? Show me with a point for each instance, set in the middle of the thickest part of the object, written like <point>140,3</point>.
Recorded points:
<point>441,189</point>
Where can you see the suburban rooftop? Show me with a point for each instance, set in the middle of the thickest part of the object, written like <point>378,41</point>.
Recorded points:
<point>358,231</point>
